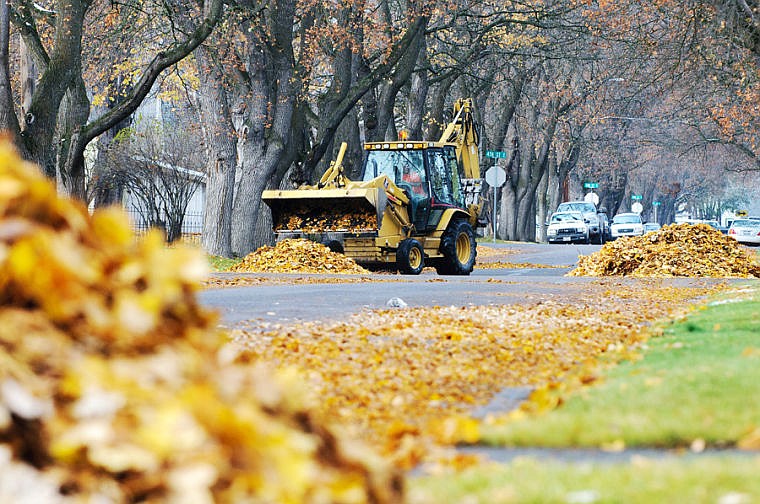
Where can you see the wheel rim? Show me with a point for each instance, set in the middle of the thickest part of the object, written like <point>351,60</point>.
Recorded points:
<point>415,258</point>
<point>463,248</point>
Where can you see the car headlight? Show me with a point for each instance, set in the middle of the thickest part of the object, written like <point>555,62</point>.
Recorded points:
<point>580,229</point>
<point>551,231</point>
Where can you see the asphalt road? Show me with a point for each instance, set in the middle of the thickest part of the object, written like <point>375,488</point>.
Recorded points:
<point>305,300</point>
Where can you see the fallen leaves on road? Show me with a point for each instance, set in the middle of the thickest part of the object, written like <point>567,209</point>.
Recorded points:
<point>402,378</point>
<point>114,386</point>
<point>511,265</point>
<point>222,281</point>
<point>297,256</point>
<point>676,250</point>
<point>488,253</point>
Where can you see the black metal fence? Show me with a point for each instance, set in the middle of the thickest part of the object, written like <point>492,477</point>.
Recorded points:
<point>191,225</point>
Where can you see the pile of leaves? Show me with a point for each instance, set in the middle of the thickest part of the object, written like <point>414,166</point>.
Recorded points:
<point>116,387</point>
<point>297,256</point>
<point>676,250</point>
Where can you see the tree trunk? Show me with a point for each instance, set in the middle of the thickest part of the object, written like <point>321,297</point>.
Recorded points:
<point>219,133</point>
<point>266,130</point>
<point>401,75</point>
<point>415,105</point>
<point>8,120</point>
<point>74,111</point>
<point>532,163</point>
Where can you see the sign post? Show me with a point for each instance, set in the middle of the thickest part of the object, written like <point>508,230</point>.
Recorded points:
<point>495,177</point>
<point>656,205</point>
<point>591,196</point>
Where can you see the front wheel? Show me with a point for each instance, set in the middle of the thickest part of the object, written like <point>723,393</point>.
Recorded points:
<point>458,248</point>
<point>410,258</point>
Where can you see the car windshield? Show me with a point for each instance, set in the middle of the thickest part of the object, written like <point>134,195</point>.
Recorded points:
<point>566,216</point>
<point>750,223</point>
<point>577,207</point>
<point>626,219</point>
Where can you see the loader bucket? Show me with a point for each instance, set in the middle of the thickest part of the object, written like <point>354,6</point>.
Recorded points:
<point>346,210</point>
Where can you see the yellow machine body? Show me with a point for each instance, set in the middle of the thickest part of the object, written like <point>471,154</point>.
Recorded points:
<point>369,220</point>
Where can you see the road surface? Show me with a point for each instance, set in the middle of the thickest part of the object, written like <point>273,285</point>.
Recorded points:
<point>309,297</point>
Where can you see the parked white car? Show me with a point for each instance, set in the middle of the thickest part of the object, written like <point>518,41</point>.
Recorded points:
<point>626,224</point>
<point>745,231</point>
<point>567,227</point>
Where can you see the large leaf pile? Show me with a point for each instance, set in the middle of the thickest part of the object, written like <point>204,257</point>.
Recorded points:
<point>297,256</point>
<point>676,250</point>
<point>115,387</point>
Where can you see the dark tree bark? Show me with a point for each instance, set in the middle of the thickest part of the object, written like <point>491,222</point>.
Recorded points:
<point>266,130</point>
<point>220,138</point>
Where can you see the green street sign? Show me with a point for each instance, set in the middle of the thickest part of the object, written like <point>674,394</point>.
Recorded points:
<point>656,203</point>
<point>590,185</point>
<point>636,196</point>
<point>495,154</point>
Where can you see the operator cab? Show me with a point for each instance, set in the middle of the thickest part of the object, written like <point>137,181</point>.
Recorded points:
<point>429,175</point>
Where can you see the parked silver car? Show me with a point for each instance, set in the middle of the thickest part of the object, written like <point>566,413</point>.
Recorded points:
<point>590,217</point>
<point>651,226</point>
<point>745,231</point>
<point>626,224</point>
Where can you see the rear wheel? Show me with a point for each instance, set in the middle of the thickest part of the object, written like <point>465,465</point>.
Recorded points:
<point>410,258</point>
<point>458,248</point>
<point>334,245</point>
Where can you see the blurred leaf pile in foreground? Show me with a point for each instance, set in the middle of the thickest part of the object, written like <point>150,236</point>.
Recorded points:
<point>116,387</point>
<point>676,250</point>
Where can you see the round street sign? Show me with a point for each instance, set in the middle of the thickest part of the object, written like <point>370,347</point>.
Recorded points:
<point>637,207</point>
<point>591,197</point>
<point>496,176</point>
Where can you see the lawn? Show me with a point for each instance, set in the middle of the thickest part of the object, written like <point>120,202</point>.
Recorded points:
<point>692,392</point>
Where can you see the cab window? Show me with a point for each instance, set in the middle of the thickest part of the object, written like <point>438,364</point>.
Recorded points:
<point>444,176</point>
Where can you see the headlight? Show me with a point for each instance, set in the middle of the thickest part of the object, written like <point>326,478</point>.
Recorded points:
<point>580,229</point>
<point>551,231</point>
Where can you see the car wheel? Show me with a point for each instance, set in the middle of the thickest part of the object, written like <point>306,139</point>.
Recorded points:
<point>410,257</point>
<point>458,248</point>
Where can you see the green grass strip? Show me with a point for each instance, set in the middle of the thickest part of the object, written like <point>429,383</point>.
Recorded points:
<point>698,382</point>
<point>710,480</point>
<point>218,263</point>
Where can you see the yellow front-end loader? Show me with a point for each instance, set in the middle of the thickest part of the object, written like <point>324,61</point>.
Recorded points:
<point>418,203</point>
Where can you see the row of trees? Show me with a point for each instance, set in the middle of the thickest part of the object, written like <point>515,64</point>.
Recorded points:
<point>651,97</point>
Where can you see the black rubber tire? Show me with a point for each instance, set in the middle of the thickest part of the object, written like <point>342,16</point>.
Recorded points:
<point>410,258</point>
<point>334,245</point>
<point>458,248</point>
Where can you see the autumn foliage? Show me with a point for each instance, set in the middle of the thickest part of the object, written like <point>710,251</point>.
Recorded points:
<point>115,385</point>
